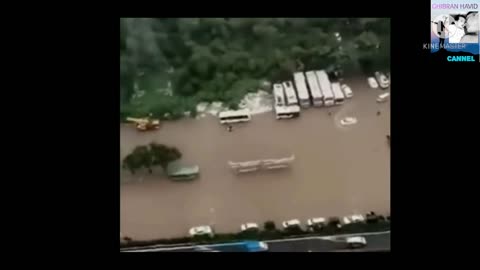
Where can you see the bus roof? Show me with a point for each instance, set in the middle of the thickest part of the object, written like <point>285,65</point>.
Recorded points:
<point>278,94</point>
<point>290,91</point>
<point>324,83</point>
<point>313,83</point>
<point>233,113</point>
<point>337,91</point>
<point>302,90</point>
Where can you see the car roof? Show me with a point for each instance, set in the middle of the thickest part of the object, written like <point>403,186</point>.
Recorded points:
<point>293,221</point>
<point>356,239</point>
<point>318,219</point>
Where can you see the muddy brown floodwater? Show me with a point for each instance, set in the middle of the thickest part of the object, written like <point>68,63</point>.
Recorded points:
<point>337,171</point>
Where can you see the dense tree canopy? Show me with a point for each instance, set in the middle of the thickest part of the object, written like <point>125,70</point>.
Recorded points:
<point>147,156</point>
<point>167,66</point>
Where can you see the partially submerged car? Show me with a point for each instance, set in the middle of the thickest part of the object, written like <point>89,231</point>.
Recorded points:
<point>250,226</point>
<point>347,91</point>
<point>382,80</point>
<point>291,223</point>
<point>353,219</point>
<point>201,230</point>
<point>383,97</point>
<point>348,121</point>
<point>318,222</point>
<point>372,82</point>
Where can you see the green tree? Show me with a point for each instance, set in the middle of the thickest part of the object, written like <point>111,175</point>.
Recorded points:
<point>162,155</point>
<point>269,226</point>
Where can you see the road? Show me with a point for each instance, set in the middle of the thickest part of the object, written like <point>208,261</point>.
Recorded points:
<point>375,242</point>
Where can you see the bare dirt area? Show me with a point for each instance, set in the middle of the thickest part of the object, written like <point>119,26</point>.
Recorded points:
<point>338,170</point>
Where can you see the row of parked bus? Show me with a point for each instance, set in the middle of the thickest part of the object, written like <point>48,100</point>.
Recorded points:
<point>320,91</point>
<point>311,88</point>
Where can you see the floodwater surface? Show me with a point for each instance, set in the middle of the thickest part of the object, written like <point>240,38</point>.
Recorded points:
<point>337,171</point>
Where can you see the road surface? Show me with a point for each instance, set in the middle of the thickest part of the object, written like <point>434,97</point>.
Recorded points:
<point>379,241</point>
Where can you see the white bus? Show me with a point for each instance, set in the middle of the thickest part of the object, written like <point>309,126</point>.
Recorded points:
<point>302,91</point>
<point>315,92</point>
<point>337,93</point>
<point>290,93</point>
<point>229,117</point>
<point>278,95</point>
<point>325,87</point>
<point>286,112</point>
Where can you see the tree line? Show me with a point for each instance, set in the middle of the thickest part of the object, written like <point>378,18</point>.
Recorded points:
<point>221,59</point>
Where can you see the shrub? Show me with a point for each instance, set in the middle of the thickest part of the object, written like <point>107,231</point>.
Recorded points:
<point>269,226</point>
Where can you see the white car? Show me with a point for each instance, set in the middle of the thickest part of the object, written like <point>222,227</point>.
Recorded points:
<point>248,227</point>
<point>382,80</point>
<point>358,218</point>
<point>356,242</point>
<point>201,230</point>
<point>346,220</point>
<point>316,221</point>
<point>348,121</point>
<point>347,91</point>
<point>383,97</point>
<point>291,223</point>
<point>372,82</point>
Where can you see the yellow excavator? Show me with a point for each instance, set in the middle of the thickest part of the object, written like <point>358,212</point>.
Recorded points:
<point>144,124</point>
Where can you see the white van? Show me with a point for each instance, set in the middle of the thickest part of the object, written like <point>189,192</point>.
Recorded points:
<point>229,117</point>
<point>383,97</point>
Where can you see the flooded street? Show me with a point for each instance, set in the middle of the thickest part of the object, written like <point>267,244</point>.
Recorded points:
<point>337,171</point>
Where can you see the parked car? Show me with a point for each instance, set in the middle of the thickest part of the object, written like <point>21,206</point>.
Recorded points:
<point>201,230</point>
<point>353,219</point>
<point>318,222</point>
<point>356,242</point>
<point>249,227</point>
<point>347,91</point>
<point>372,82</point>
<point>291,223</point>
<point>383,97</point>
<point>357,218</point>
<point>348,121</point>
<point>382,80</point>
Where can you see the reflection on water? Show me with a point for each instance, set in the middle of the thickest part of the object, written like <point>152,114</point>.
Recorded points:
<point>337,170</point>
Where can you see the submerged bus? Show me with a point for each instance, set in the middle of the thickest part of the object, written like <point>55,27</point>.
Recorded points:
<point>229,117</point>
<point>315,92</point>
<point>290,93</point>
<point>302,91</point>
<point>325,87</point>
<point>338,95</point>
